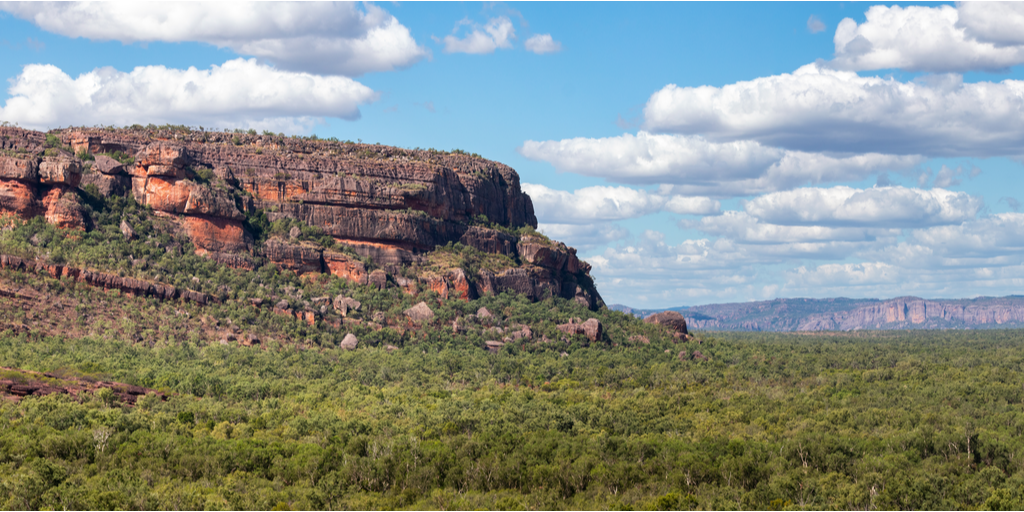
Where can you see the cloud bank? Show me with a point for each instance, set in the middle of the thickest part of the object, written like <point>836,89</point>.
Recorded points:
<point>239,92</point>
<point>694,165</point>
<point>326,38</point>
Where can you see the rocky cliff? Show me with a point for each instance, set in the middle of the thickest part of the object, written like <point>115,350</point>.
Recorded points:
<point>853,314</point>
<point>383,208</point>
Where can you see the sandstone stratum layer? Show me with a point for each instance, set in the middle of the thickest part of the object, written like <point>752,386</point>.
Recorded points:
<point>386,209</point>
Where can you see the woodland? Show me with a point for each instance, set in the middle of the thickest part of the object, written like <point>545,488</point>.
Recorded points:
<point>424,416</point>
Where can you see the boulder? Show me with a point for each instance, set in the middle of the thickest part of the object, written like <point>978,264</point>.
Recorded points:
<point>21,169</point>
<point>349,342</point>
<point>340,305</point>
<point>493,346</point>
<point>671,319</point>
<point>106,165</point>
<point>378,279</point>
<point>127,231</point>
<point>106,185</point>
<point>592,328</point>
<point>483,313</point>
<point>420,312</point>
<point>60,171</point>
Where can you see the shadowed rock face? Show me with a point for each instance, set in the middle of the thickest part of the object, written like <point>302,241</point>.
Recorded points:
<point>388,204</point>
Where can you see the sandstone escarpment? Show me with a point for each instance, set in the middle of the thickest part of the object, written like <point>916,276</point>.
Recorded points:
<point>856,314</point>
<point>387,207</point>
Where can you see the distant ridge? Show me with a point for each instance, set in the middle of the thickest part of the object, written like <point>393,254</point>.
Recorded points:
<point>843,314</point>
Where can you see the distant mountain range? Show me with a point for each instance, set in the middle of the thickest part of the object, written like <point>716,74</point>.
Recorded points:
<point>844,314</point>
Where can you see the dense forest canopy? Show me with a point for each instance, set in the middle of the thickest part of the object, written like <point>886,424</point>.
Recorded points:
<point>248,409</point>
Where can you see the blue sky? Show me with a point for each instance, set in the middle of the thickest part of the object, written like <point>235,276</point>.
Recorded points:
<point>693,152</point>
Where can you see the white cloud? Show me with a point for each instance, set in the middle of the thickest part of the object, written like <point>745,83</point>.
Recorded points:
<point>542,43</point>
<point>819,109</point>
<point>590,204</point>
<point>980,256</point>
<point>745,228</point>
<point>692,205</point>
<point>890,207</point>
<point>498,33</point>
<point>994,22</point>
<point>996,235</point>
<point>917,38</point>
<point>697,166</point>
<point>239,92</point>
<point>844,275</point>
<point>815,25</point>
<point>584,237</point>
<point>329,38</point>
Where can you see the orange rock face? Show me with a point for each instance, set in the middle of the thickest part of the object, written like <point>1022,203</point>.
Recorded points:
<point>20,199</point>
<point>439,285</point>
<point>459,286</point>
<point>217,234</point>
<point>345,267</point>
<point>165,195</point>
<point>63,208</point>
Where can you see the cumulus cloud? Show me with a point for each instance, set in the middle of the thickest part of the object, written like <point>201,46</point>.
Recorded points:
<point>590,204</point>
<point>996,235</point>
<point>239,92</point>
<point>584,237</point>
<point>497,33</point>
<point>933,39</point>
<point>815,25</point>
<point>329,38</point>
<point>696,166</point>
<point>542,43</point>
<point>745,228</point>
<point>844,275</point>
<point>890,207</point>
<point>818,109</point>
<point>993,22</point>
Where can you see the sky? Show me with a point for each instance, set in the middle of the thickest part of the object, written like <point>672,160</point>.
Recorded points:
<point>693,153</point>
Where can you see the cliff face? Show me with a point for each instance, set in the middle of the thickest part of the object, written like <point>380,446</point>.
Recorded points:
<point>852,314</point>
<point>389,204</point>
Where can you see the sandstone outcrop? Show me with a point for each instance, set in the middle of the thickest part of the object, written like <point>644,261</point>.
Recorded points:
<point>129,285</point>
<point>388,204</point>
<point>32,185</point>
<point>671,319</point>
<point>592,328</point>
